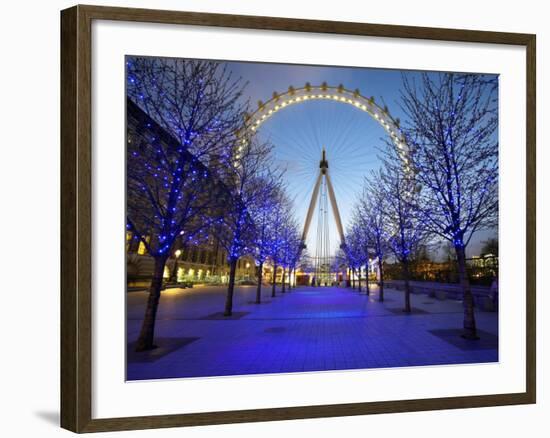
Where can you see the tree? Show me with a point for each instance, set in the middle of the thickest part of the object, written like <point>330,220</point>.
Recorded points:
<point>452,136</point>
<point>193,106</point>
<point>339,263</point>
<point>290,246</point>
<point>490,246</point>
<point>295,255</point>
<point>276,244</point>
<point>249,178</point>
<point>421,261</point>
<point>356,247</point>
<point>372,210</point>
<point>404,232</point>
<point>305,262</point>
<point>263,219</point>
<point>197,102</point>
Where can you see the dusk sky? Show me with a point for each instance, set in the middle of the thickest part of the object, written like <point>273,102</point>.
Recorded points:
<point>351,137</point>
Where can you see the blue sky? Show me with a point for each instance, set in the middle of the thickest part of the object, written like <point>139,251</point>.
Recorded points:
<point>351,137</point>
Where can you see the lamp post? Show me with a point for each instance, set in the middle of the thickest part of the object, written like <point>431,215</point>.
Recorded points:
<point>248,270</point>
<point>177,254</point>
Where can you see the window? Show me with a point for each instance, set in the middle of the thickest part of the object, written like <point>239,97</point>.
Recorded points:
<point>141,248</point>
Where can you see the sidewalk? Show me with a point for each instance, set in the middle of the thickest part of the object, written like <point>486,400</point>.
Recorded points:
<point>308,329</point>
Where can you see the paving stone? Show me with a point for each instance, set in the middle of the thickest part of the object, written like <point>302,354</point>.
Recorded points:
<point>307,330</point>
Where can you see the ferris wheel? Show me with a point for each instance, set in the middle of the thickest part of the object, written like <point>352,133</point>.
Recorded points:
<point>272,118</point>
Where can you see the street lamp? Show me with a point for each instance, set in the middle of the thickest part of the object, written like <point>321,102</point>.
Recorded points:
<point>177,254</point>
<point>248,270</point>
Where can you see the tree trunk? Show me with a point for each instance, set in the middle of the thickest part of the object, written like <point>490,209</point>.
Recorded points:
<point>367,287</point>
<point>289,279</point>
<point>230,288</point>
<point>147,333</point>
<point>359,281</point>
<point>283,281</point>
<point>407,308</point>
<point>274,281</point>
<point>259,287</point>
<point>174,275</point>
<point>352,278</point>
<point>289,285</point>
<point>381,275</point>
<point>470,330</point>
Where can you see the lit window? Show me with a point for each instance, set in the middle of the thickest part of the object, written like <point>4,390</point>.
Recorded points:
<point>128,240</point>
<point>181,274</point>
<point>141,248</point>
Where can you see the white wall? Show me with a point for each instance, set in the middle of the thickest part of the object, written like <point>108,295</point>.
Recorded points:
<point>29,102</point>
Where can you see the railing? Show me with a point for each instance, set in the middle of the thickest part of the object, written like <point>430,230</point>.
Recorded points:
<point>485,297</point>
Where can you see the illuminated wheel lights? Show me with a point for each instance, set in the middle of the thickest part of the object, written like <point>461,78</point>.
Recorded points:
<point>354,98</point>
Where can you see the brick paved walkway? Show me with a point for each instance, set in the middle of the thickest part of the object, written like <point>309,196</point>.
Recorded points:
<point>308,329</point>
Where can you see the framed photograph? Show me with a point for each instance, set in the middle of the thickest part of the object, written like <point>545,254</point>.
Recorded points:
<point>269,219</point>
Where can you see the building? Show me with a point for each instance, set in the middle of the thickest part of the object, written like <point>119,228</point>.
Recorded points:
<point>206,262</point>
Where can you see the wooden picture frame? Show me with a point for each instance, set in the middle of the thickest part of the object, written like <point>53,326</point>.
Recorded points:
<point>76,218</point>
